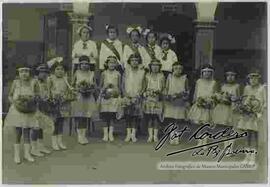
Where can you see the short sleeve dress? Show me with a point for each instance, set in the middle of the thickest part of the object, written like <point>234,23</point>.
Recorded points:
<point>16,118</point>
<point>84,106</point>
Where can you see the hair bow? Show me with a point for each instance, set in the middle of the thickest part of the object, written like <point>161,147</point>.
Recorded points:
<point>130,29</point>
<point>51,62</point>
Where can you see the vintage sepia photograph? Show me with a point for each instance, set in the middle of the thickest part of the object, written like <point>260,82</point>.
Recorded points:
<point>134,92</point>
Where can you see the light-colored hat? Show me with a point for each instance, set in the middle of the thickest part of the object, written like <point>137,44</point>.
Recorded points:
<point>51,62</point>
<point>170,37</point>
<point>132,28</point>
<point>84,26</point>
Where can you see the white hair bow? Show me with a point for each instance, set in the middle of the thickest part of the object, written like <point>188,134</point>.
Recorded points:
<point>130,29</point>
<point>107,26</point>
<point>51,62</point>
<point>171,38</point>
<point>146,31</point>
<point>84,26</point>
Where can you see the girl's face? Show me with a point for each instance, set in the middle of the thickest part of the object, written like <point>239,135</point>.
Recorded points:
<point>177,70</point>
<point>111,64</point>
<point>165,44</point>
<point>85,34</point>
<point>24,74</point>
<point>59,71</point>
<point>230,78</point>
<point>207,74</point>
<point>155,68</point>
<point>112,34</point>
<point>134,36</point>
<point>85,66</point>
<point>254,80</point>
<point>134,62</point>
<point>151,38</point>
<point>42,75</point>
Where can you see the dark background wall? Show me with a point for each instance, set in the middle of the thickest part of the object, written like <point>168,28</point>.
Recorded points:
<point>240,35</point>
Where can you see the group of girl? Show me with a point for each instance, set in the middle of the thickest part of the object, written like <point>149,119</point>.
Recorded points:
<point>136,82</point>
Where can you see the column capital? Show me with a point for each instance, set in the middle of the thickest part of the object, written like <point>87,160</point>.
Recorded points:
<point>205,24</point>
<point>80,18</point>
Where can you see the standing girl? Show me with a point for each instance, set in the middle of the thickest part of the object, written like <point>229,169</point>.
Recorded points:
<point>251,117</point>
<point>59,90</point>
<point>44,112</point>
<point>112,46</point>
<point>153,51</point>
<point>168,56</point>
<point>109,96</point>
<point>84,46</point>
<point>133,46</point>
<point>205,88</point>
<point>133,89</point>
<point>223,114</point>
<point>153,107</point>
<point>176,94</point>
<point>85,104</point>
<point>22,112</point>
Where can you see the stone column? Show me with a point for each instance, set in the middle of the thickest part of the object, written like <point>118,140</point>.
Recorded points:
<point>204,42</point>
<point>82,14</point>
<point>204,29</point>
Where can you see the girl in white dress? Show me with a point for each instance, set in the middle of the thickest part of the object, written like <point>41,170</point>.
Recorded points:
<point>60,92</point>
<point>153,106</point>
<point>84,46</point>
<point>255,96</point>
<point>168,56</point>
<point>22,115</point>
<point>133,46</point>
<point>224,115</point>
<point>112,46</point>
<point>176,95</point>
<point>44,112</point>
<point>153,50</point>
<point>203,104</point>
<point>109,96</point>
<point>84,106</point>
<point>133,89</point>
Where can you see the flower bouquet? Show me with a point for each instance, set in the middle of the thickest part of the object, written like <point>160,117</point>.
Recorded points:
<point>85,88</point>
<point>249,106</point>
<point>222,98</point>
<point>205,102</point>
<point>26,103</point>
<point>110,92</point>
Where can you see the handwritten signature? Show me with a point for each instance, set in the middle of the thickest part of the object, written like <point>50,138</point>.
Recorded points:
<point>227,134</point>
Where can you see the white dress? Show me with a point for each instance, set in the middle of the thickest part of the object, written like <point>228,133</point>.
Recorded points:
<point>84,106</point>
<point>167,60</point>
<point>110,104</point>
<point>251,122</point>
<point>16,118</point>
<point>133,84</point>
<point>152,104</point>
<point>88,48</point>
<point>224,114</point>
<point>205,89</point>
<point>105,51</point>
<point>177,109</point>
<point>156,51</point>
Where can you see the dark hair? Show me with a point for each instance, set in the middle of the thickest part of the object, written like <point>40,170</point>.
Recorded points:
<point>112,27</point>
<point>135,55</point>
<point>176,64</point>
<point>136,30</point>
<point>84,58</point>
<point>155,34</point>
<point>107,61</point>
<point>56,64</point>
<point>207,66</point>
<point>154,60</point>
<point>165,38</point>
<point>80,32</point>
